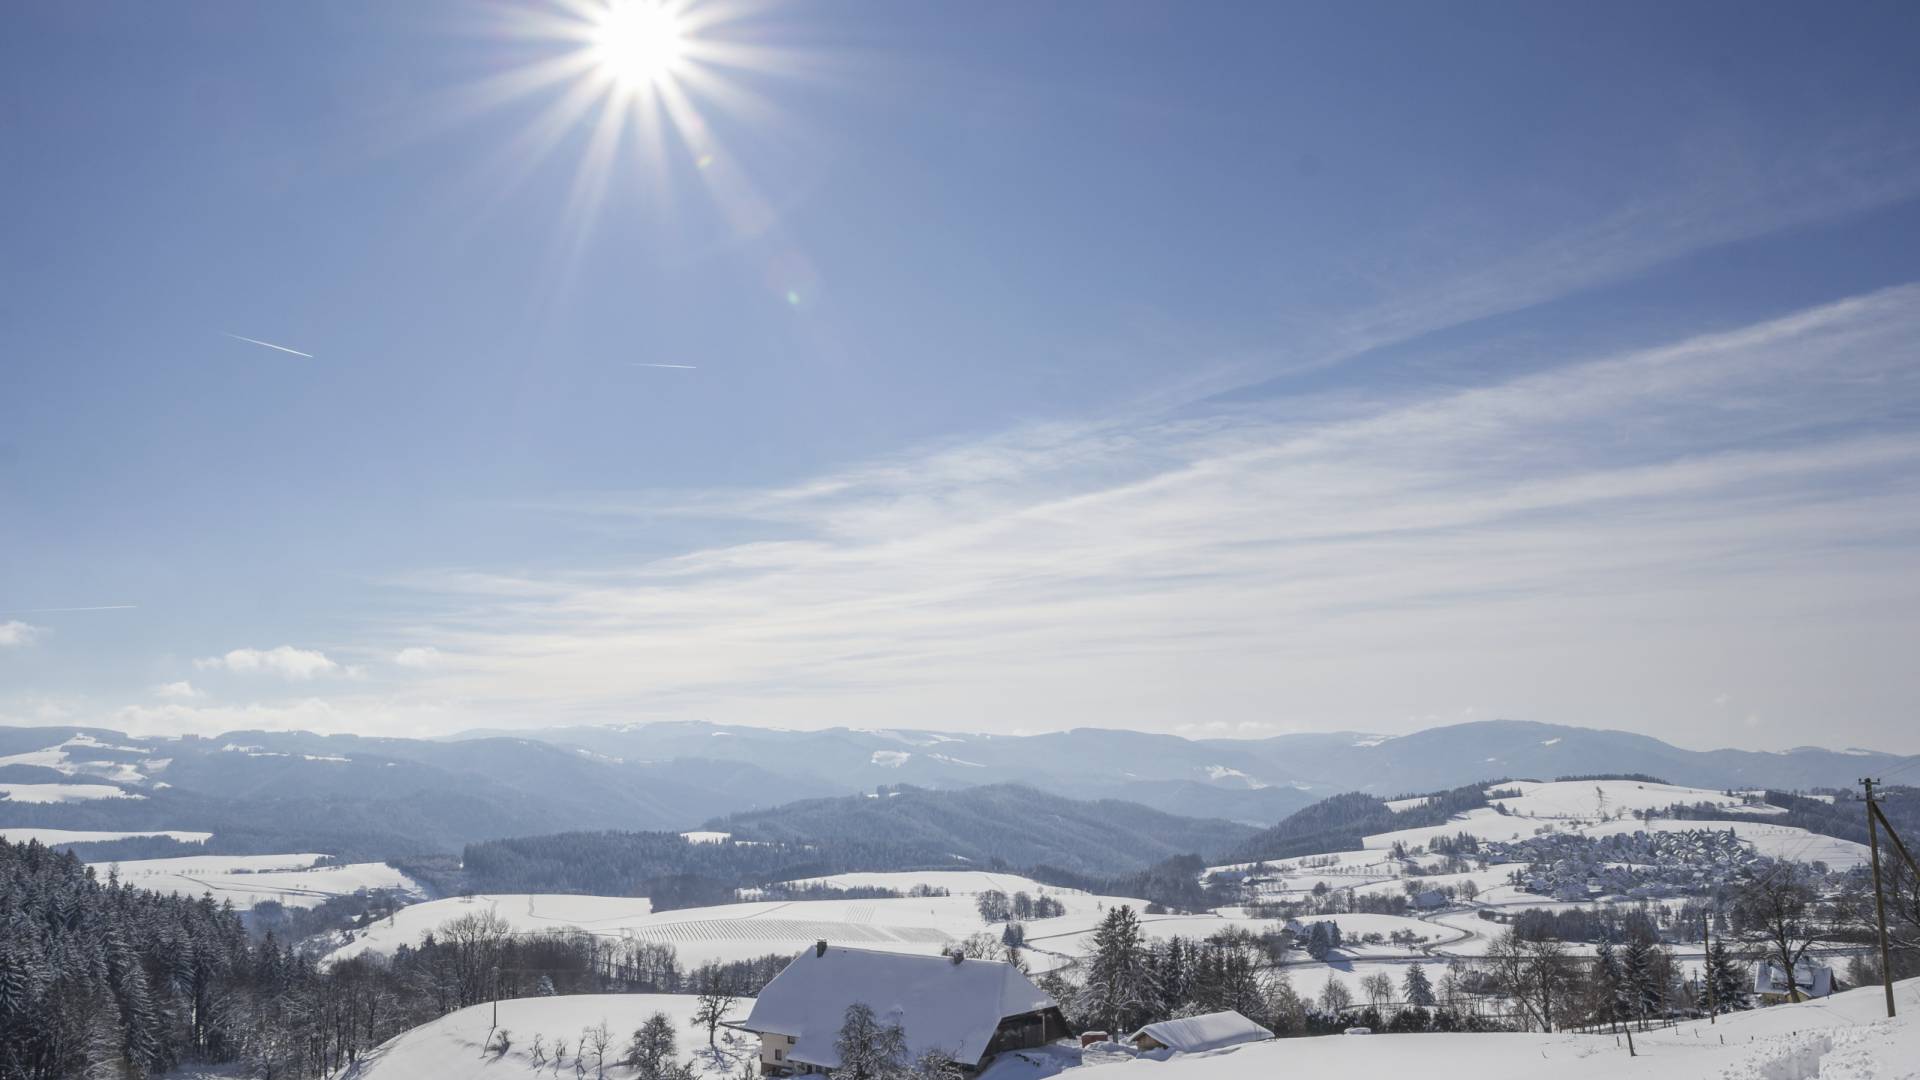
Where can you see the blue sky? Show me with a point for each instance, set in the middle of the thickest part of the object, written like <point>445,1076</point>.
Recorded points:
<point>1224,369</point>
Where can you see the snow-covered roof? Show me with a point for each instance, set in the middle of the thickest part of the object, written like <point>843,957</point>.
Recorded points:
<point>1208,1031</point>
<point>940,1005</point>
<point>1813,980</point>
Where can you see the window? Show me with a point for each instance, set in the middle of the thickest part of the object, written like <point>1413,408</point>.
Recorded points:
<point>779,1055</point>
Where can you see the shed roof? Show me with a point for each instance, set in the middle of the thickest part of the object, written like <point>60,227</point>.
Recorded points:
<point>1209,1031</point>
<point>940,1005</point>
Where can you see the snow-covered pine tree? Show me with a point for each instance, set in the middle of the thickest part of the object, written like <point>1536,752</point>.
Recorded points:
<point>1416,989</point>
<point>1642,986</point>
<point>1119,992</point>
<point>1731,983</point>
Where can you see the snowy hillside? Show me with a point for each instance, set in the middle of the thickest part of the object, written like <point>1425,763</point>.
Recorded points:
<point>63,837</point>
<point>748,930</point>
<point>295,880</point>
<point>1602,808</point>
<point>1846,1037</point>
<point>454,1046</point>
<point>524,913</point>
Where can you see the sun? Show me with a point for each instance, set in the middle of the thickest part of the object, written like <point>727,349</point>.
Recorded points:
<point>638,43</point>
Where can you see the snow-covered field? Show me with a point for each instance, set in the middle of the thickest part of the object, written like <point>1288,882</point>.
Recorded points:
<point>58,793</point>
<point>525,913</point>
<point>1845,1037</point>
<point>294,880</point>
<point>1606,808</point>
<point>1598,799</point>
<point>62,837</point>
<point>747,930</point>
<point>454,1046</point>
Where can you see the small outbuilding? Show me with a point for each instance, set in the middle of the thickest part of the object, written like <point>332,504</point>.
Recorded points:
<point>1192,1034</point>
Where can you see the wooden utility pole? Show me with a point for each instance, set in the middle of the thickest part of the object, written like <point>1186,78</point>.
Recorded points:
<point>1879,897</point>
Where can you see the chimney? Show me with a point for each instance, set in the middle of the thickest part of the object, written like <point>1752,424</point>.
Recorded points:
<point>820,947</point>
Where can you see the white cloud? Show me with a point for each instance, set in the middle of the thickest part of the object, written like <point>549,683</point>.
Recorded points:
<point>417,656</point>
<point>1679,512</point>
<point>302,714</point>
<point>178,691</point>
<point>285,661</point>
<point>15,632</point>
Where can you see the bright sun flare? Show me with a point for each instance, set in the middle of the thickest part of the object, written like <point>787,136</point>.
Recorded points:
<point>638,42</point>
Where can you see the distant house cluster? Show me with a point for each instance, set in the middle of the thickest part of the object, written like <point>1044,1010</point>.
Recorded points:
<point>1625,866</point>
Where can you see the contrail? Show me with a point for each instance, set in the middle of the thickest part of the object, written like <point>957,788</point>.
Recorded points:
<point>56,610</point>
<point>270,345</point>
<point>677,367</point>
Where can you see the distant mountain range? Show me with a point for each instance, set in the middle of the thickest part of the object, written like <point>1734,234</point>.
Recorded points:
<point>376,797</point>
<point>1252,780</point>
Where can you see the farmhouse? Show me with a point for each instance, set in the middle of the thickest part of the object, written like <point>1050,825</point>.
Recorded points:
<point>968,1010</point>
<point>1810,979</point>
<point>1192,1034</point>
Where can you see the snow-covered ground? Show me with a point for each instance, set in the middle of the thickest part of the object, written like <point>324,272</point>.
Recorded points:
<point>744,931</point>
<point>1845,1037</point>
<point>957,882</point>
<point>62,837</point>
<point>525,913</point>
<point>454,1046</point>
<point>58,793</point>
<point>294,880</point>
<point>1606,808</point>
<point>1598,799</point>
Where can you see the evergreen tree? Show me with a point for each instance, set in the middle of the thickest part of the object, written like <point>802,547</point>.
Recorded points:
<point>1417,990</point>
<point>1731,982</point>
<point>1642,984</point>
<point>1318,943</point>
<point>1119,992</point>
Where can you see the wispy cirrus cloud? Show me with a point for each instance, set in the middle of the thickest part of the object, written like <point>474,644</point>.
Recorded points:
<point>1728,509</point>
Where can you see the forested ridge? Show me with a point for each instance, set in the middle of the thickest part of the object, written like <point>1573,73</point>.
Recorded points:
<point>1013,823</point>
<point>1341,822</point>
<point>663,866</point>
<point>1002,826</point>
